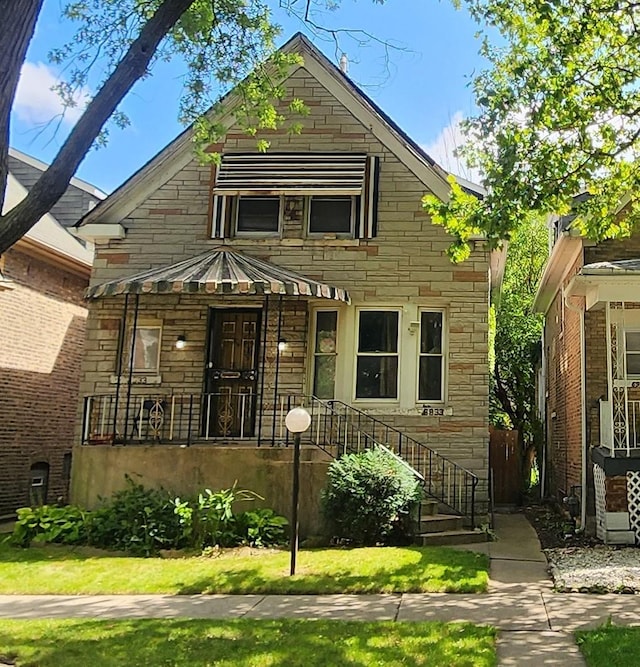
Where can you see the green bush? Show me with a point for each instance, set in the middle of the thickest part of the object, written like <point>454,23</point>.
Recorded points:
<point>369,498</point>
<point>142,521</point>
<point>136,520</point>
<point>261,528</point>
<point>49,523</point>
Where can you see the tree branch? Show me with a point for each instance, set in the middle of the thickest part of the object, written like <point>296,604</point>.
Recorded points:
<point>54,181</point>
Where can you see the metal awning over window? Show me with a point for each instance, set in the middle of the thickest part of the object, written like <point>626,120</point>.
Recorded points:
<point>291,173</point>
<point>220,271</point>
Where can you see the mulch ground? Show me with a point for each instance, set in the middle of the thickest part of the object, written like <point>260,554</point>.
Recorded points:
<point>555,529</point>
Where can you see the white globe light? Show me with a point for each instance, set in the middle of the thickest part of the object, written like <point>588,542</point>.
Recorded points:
<point>297,420</point>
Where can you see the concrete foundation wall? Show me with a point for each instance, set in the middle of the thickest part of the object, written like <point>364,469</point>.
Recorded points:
<point>100,471</point>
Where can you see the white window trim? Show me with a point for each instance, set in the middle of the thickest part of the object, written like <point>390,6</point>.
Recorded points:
<point>338,235</point>
<point>256,235</point>
<point>627,330</point>
<point>147,371</point>
<point>356,355</point>
<point>444,354</point>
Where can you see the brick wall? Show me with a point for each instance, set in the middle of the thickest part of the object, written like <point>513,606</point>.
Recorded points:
<point>564,404</point>
<point>42,324</point>
<point>405,266</point>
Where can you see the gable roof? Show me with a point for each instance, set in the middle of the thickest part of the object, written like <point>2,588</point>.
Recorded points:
<point>43,166</point>
<point>47,234</point>
<point>177,154</point>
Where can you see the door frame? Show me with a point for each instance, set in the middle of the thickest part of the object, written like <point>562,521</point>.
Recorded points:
<point>211,322</point>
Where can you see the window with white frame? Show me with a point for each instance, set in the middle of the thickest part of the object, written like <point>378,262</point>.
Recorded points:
<point>377,354</point>
<point>431,357</point>
<point>332,214</point>
<point>146,353</point>
<point>259,215</point>
<point>632,352</point>
<point>325,352</point>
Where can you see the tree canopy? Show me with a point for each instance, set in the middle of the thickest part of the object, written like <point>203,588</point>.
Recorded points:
<point>223,43</point>
<point>559,115</point>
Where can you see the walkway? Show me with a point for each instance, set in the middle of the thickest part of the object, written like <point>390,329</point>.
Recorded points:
<point>535,625</point>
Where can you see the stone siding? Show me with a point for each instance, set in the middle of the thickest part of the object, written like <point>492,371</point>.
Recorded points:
<point>405,266</point>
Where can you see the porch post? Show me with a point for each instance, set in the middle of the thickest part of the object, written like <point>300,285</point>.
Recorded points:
<point>610,353</point>
<point>265,324</point>
<point>131,357</point>
<point>275,384</point>
<point>122,333</point>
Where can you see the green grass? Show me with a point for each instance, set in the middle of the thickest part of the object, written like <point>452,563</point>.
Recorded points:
<point>610,646</point>
<point>244,643</point>
<point>64,570</point>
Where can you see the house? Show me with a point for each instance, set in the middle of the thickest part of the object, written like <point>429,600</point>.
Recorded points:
<point>42,319</point>
<point>223,296</point>
<point>590,295</point>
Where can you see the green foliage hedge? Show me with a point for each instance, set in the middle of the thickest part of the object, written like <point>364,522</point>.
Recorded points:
<point>142,521</point>
<point>369,498</point>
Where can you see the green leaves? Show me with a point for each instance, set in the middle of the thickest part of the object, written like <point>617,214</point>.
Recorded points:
<point>559,114</point>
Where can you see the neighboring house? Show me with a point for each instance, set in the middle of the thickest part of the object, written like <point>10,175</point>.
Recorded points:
<point>308,271</point>
<point>590,295</point>
<point>42,323</point>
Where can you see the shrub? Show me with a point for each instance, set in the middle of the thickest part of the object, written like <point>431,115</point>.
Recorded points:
<point>369,498</point>
<point>49,523</point>
<point>261,528</point>
<point>137,520</point>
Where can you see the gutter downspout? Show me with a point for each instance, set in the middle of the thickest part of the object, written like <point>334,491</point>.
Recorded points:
<point>583,411</point>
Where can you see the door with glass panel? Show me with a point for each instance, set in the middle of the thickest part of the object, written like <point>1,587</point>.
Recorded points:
<point>229,402</point>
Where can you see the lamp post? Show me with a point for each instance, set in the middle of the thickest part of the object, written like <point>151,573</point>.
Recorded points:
<point>297,421</point>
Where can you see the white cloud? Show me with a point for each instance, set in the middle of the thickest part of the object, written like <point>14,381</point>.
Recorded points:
<point>442,149</point>
<point>36,103</point>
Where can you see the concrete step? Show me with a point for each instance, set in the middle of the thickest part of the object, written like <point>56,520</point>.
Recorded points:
<point>428,507</point>
<point>450,537</point>
<point>440,523</point>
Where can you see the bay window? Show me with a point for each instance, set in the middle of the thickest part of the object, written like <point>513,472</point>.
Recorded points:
<point>377,354</point>
<point>431,357</point>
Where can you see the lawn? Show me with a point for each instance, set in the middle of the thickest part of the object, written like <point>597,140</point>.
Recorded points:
<point>610,646</point>
<point>64,570</point>
<point>244,643</point>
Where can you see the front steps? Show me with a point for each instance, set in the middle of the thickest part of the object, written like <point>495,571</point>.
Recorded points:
<point>434,529</point>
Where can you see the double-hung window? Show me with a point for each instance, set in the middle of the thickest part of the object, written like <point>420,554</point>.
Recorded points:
<point>632,352</point>
<point>377,354</point>
<point>431,357</point>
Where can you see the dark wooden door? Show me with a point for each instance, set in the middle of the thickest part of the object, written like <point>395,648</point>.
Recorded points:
<point>229,405</point>
<point>505,467</point>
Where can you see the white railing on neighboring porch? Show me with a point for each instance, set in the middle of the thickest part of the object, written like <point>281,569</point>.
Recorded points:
<point>630,439</point>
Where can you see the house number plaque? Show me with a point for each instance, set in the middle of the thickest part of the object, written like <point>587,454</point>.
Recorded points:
<point>430,411</point>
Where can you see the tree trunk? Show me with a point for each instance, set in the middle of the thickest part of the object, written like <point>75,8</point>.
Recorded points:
<point>17,25</point>
<point>54,181</point>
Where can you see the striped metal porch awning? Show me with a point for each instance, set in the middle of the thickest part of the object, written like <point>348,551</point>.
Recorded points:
<point>220,271</point>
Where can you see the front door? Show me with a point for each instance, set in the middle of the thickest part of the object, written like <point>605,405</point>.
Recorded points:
<point>231,376</point>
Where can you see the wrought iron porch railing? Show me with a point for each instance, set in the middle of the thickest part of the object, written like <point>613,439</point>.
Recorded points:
<point>336,427</point>
<point>168,418</point>
<point>339,428</point>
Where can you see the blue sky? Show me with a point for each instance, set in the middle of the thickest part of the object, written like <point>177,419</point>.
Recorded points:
<point>424,87</point>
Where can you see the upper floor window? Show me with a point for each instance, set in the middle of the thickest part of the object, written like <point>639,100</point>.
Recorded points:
<point>331,214</point>
<point>377,354</point>
<point>431,363</point>
<point>341,191</point>
<point>258,215</point>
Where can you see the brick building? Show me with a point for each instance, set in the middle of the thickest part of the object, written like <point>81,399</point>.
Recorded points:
<point>223,296</point>
<point>42,325</point>
<point>590,296</point>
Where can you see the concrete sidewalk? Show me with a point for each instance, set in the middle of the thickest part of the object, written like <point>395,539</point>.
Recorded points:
<point>535,624</point>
